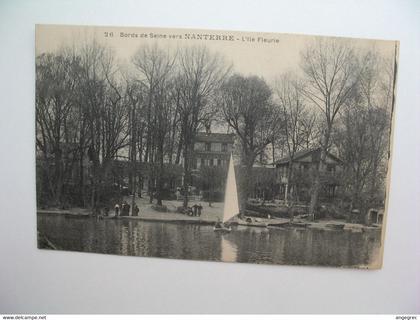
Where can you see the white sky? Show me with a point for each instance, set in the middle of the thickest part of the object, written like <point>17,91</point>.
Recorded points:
<point>262,59</point>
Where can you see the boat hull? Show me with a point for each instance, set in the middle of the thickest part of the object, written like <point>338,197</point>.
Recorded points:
<point>253,224</point>
<point>289,225</point>
<point>334,226</point>
<point>222,229</point>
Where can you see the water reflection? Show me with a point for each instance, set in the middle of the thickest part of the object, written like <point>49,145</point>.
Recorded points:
<point>229,250</point>
<point>191,241</point>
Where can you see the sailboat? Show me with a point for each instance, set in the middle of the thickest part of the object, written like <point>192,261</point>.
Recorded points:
<point>231,206</point>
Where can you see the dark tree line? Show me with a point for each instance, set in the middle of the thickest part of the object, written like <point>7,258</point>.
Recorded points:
<point>87,107</point>
<point>90,111</point>
<point>340,101</point>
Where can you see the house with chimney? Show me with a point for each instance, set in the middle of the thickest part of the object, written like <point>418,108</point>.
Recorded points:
<point>295,175</point>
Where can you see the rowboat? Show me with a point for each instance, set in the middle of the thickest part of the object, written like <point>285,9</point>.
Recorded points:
<point>335,226</point>
<point>107,217</point>
<point>249,222</point>
<point>222,228</point>
<point>293,225</point>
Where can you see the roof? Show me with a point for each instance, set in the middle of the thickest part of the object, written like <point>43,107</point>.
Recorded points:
<point>214,137</point>
<point>303,153</point>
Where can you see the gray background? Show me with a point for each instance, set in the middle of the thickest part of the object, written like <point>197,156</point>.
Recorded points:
<point>33,280</point>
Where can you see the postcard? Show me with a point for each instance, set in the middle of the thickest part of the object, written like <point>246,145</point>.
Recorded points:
<point>214,145</point>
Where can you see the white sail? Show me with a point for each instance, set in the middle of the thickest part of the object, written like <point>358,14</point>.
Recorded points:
<point>231,207</point>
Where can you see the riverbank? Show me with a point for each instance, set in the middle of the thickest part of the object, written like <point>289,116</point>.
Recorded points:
<point>148,212</point>
<point>210,215</point>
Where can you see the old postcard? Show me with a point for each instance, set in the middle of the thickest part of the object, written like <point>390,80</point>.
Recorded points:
<point>213,145</point>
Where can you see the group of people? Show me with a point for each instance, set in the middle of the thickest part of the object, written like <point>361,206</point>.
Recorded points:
<point>123,210</point>
<point>194,211</point>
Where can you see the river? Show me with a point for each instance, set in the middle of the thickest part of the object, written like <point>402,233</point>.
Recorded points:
<point>342,248</point>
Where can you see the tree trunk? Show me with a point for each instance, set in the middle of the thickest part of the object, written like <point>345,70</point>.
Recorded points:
<point>179,150</point>
<point>317,178</point>
<point>151,187</point>
<point>82,179</point>
<point>289,178</point>
<point>314,195</point>
<point>159,177</point>
<point>247,177</point>
<point>133,156</point>
<point>210,196</point>
<point>186,175</point>
<point>58,177</point>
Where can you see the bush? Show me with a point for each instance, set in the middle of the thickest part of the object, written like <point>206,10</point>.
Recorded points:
<point>277,212</point>
<point>159,208</point>
<point>329,210</point>
<point>261,211</point>
<point>167,194</point>
<point>215,196</point>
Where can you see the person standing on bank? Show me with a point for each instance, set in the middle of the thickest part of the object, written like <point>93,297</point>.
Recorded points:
<point>199,208</point>
<point>194,210</point>
<point>136,210</point>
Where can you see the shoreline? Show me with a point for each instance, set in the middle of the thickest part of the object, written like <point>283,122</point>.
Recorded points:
<point>171,217</point>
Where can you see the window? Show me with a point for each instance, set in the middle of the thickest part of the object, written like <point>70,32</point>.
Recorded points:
<point>219,162</point>
<point>208,146</point>
<point>202,162</point>
<point>216,146</point>
<point>197,163</point>
<point>199,146</point>
<point>224,147</point>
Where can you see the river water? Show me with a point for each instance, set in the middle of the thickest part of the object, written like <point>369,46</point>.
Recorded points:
<point>199,242</point>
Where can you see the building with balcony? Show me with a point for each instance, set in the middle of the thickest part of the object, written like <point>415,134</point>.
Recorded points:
<point>212,149</point>
<point>210,160</point>
<point>304,164</point>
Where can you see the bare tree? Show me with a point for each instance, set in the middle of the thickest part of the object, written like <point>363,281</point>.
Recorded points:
<point>363,134</point>
<point>246,103</point>
<point>294,114</point>
<point>154,66</point>
<point>173,145</point>
<point>55,87</point>
<point>106,117</point>
<point>200,75</point>
<point>162,116</point>
<point>92,122</point>
<point>309,129</point>
<point>134,96</point>
<point>331,74</point>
